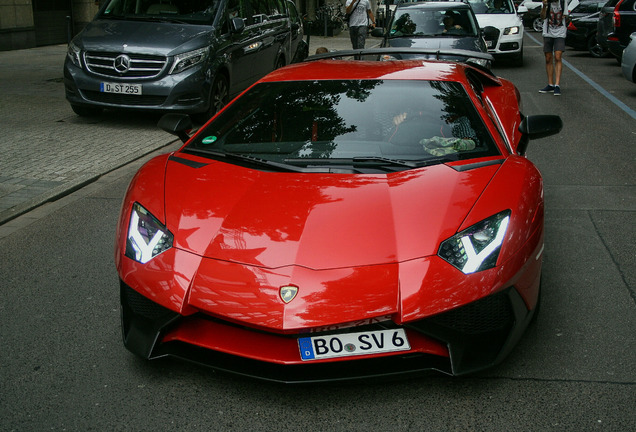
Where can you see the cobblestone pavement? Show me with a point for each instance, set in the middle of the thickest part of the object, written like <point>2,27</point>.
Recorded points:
<point>46,151</point>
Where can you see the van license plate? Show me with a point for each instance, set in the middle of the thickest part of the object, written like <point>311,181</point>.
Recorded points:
<point>353,344</point>
<point>133,89</point>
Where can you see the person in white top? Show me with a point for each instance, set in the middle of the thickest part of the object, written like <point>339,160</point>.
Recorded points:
<point>554,14</point>
<point>361,19</point>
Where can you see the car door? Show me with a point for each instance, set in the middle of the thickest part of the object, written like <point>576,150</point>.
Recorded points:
<point>244,47</point>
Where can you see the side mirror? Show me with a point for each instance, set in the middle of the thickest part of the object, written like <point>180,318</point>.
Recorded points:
<point>237,25</point>
<point>538,126</point>
<point>176,124</point>
<point>377,32</point>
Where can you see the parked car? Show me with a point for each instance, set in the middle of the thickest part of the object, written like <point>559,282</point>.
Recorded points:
<point>187,56</point>
<point>628,61</point>
<point>530,11</point>
<point>624,24</point>
<point>437,25</point>
<point>502,27</point>
<point>582,28</point>
<point>605,26</point>
<point>531,17</point>
<point>340,220</point>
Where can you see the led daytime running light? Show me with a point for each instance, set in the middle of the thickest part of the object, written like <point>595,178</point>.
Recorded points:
<point>476,248</point>
<point>147,237</point>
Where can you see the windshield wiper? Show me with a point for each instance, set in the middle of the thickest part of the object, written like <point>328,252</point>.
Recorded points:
<point>245,158</point>
<point>161,19</point>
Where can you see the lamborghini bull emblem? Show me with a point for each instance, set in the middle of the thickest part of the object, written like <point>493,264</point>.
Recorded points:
<point>288,293</point>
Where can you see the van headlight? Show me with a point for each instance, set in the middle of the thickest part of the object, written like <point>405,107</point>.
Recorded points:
<point>187,60</point>
<point>147,237</point>
<point>476,248</point>
<point>73,54</point>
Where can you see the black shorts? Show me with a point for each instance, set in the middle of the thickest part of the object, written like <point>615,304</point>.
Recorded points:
<point>551,44</point>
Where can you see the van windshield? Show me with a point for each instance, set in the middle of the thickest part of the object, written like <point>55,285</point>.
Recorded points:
<point>191,11</point>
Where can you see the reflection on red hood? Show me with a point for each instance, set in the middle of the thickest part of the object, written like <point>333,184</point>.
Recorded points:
<point>313,220</point>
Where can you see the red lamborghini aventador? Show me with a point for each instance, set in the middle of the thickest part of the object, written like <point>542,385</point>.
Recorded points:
<point>340,222</point>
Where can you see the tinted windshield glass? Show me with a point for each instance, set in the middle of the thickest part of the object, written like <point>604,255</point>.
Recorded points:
<point>193,11</point>
<point>289,122</point>
<point>492,6</point>
<point>431,22</point>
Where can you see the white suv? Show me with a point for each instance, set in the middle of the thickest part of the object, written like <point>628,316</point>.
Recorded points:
<point>502,27</point>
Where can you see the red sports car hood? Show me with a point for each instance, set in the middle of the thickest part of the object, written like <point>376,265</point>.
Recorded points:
<point>318,221</point>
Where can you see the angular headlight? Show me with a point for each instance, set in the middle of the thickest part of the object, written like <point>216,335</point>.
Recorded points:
<point>187,60</point>
<point>511,30</point>
<point>147,237</point>
<point>476,248</point>
<point>73,54</point>
<point>482,62</point>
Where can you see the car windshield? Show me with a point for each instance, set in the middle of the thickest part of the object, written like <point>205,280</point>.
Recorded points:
<point>492,6</point>
<point>318,123</point>
<point>189,11</point>
<point>433,22</point>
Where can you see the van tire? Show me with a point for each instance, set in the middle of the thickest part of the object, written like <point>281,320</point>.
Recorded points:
<point>219,97</point>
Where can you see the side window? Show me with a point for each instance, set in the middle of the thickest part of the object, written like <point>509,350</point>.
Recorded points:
<point>293,13</point>
<point>233,11</point>
<point>260,11</point>
<point>276,9</point>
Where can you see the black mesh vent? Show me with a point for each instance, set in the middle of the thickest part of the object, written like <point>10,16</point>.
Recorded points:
<point>485,315</point>
<point>140,305</point>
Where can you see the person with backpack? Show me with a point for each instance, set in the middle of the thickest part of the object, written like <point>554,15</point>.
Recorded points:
<point>554,14</point>
<point>360,19</point>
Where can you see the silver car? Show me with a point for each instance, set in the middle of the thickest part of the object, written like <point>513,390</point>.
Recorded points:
<point>628,62</point>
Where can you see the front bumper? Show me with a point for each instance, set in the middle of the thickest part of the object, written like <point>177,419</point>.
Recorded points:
<point>500,45</point>
<point>186,92</point>
<point>461,341</point>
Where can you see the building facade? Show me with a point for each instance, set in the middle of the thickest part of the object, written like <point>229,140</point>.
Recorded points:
<point>32,23</point>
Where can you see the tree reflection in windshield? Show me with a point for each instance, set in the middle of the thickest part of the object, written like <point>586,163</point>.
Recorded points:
<point>399,119</point>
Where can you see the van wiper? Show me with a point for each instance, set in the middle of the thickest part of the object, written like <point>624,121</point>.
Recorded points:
<point>161,19</point>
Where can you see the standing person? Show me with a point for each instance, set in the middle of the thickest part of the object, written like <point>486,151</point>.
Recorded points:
<point>554,13</point>
<point>361,19</point>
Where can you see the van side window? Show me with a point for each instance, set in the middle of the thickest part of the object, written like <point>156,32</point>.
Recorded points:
<point>276,9</point>
<point>233,11</point>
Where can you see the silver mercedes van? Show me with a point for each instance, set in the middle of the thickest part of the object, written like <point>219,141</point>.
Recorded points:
<point>188,56</point>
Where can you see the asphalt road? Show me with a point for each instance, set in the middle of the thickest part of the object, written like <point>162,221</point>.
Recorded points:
<point>63,366</point>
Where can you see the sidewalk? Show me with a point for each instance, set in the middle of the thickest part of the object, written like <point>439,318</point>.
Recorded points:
<point>47,151</point>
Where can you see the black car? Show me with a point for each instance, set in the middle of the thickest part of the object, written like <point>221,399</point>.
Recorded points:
<point>624,24</point>
<point>188,56</point>
<point>583,27</point>
<point>434,25</point>
<point>532,19</point>
<point>605,26</point>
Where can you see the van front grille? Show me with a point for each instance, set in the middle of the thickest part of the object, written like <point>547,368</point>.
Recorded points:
<point>124,65</point>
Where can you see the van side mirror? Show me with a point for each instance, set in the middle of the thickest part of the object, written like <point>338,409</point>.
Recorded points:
<point>538,126</point>
<point>237,25</point>
<point>176,124</point>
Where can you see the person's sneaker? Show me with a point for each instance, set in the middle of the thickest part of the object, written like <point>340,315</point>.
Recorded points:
<point>557,91</point>
<point>547,89</point>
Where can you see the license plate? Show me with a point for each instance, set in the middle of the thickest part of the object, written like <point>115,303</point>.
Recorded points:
<point>353,344</point>
<point>133,89</point>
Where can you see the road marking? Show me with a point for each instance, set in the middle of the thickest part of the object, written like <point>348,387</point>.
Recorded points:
<point>600,89</point>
